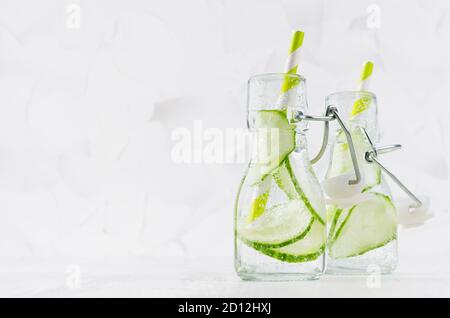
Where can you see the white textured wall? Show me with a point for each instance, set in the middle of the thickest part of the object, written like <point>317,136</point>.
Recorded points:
<point>87,109</point>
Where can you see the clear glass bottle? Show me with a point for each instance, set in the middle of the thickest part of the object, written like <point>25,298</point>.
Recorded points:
<point>362,224</point>
<point>280,214</point>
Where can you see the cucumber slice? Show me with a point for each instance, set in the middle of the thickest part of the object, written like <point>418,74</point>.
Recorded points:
<point>287,180</point>
<point>299,182</point>
<point>276,140</point>
<point>294,258</point>
<point>306,182</point>
<point>333,217</point>
<point>284,182</point>
<point>278,226</point>
<point>341,162</point>
<point>332,209</point>
<point>307,249</point>
<point>364,227</point>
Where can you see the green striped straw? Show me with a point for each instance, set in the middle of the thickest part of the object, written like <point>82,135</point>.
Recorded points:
<point>363,103</point>
<point>291,67</point>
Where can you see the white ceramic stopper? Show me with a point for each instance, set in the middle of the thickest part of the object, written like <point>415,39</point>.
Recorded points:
<point>409,216</point>
<point>338,188</point>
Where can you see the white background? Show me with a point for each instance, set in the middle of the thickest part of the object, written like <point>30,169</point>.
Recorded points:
<point>91,91</point>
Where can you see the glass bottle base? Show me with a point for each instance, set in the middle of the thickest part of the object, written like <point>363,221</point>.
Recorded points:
<point>382,260</point>
<point>251,265</point>
<point>277,277</point>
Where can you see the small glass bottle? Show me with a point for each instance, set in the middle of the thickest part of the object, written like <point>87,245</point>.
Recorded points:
<point>362,225</point>
<point>280,214</point>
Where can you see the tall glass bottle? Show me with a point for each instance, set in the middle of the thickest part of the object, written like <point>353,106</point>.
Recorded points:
<point>280,214</point>
<point>362,225</point>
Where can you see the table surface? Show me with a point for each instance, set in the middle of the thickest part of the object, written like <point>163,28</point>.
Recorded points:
<point>198,278</point>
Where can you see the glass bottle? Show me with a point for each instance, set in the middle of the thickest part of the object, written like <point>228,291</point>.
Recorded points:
<point>280,213</point>
<point>362,223</point>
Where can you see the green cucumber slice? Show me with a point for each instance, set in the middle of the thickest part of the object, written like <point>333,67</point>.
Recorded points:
<point>278,226</point>
<point>364,227</point>
<point>275,141</point>
<point>341,162</point>
<point>307,249</point>
<point>306,182</point>
<point>332,218</point>
<point>284,182</point>
<point>294,258</point>
<point>332,209</point>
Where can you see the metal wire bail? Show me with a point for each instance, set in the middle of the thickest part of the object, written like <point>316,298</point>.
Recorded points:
<point>372,157</point>
<point>330,115</point>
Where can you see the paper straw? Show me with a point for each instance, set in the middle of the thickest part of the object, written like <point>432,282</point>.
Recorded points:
<point>291,67</point>
<point>363,103</point>
<point>365,76</point>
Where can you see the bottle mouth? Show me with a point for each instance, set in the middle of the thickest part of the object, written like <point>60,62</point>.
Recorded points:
<point>347,95</point>
<point>275,77</point>
<point>356,108</point>
<point>346,102</point>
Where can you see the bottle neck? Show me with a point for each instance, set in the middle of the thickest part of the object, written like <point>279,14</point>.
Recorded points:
<point>370,125</point>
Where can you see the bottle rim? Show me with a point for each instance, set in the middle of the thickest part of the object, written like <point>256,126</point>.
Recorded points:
<point>351,94</point>
<point>275,76</point>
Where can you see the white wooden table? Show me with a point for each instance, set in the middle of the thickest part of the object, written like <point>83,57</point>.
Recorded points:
<point>200,278</point>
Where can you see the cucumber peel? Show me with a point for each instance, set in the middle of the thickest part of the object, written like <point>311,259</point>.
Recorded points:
<point>307,249</point>
<point>301,193</point>
<point>284,182</point>
<point>278,226</point>
<point>334,217</point>
<point>290,258</point>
